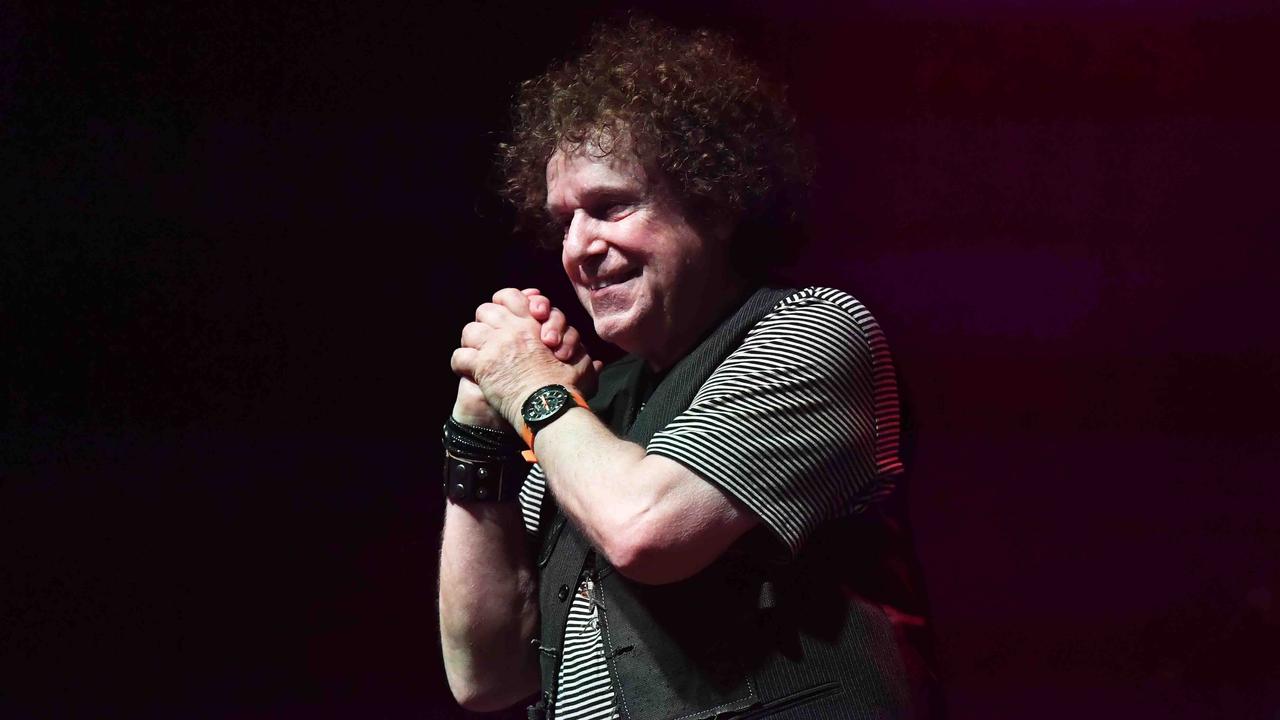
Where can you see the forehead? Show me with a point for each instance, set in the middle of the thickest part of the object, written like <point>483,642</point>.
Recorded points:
<point>574,176</point>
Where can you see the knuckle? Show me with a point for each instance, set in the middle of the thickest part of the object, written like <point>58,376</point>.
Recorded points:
<point>506,295</point>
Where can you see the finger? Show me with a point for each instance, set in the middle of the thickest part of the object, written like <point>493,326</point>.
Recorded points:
<point>514,300</point>
<point>463,361</point>
<point>570,346</point>
<point>597,365</point>
<point>553,328</point>
<point>492,314</point>
<point>539,307</point>
<point>585,370</point>
<point>474,334</point>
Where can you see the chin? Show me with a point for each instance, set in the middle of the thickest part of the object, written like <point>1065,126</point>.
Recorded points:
<point>623,325</point>
<point>611,332</point>
<point>616,330</point>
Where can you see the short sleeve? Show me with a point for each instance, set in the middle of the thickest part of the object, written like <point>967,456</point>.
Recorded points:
<point>800,423</point>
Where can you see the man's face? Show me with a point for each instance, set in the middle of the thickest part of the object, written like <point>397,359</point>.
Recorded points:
<point>633,259</point>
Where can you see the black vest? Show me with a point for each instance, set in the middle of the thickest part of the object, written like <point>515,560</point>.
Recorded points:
<point>756,633</point>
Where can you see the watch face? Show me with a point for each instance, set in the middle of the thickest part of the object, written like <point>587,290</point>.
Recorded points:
<point>544,404</point>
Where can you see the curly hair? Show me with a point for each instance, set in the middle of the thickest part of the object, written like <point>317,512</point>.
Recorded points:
<point>684,103</point>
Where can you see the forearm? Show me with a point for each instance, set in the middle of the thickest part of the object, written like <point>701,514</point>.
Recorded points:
<point>606,485</point>
<point>488,606</point>
<point>488,587</point>
<point>654,520</point>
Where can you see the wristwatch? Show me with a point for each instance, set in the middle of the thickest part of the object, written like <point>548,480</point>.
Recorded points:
<point>545,405</point>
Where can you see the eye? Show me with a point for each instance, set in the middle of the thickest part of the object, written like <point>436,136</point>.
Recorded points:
<point>612,211</point>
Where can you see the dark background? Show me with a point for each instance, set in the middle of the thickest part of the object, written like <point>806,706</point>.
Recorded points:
<point>237,244</point>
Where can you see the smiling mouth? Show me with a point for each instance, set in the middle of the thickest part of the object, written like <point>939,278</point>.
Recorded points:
<point>605,282</point>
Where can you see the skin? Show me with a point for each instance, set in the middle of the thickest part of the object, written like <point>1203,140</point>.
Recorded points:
<point>488,591</point>
<point>665,285</point>
<point>563,340</point>
<point>622,223</point>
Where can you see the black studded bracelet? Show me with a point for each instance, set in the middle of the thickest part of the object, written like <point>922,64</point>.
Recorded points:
<point>482,464</point>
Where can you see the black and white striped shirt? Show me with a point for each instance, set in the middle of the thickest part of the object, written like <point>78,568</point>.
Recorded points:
<point>800,424</point>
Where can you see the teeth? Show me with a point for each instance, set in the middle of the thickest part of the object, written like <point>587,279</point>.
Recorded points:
<point>601,284</point>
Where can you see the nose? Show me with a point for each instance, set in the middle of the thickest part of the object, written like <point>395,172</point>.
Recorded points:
<point>583,240</point>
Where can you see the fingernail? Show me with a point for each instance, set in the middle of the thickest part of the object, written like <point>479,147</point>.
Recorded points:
<point>553,337</point>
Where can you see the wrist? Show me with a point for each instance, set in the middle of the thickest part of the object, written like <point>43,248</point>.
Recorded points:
<point>481,417</point>
<point>471,407</point>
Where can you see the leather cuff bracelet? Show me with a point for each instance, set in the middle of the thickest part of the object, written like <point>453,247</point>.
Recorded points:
<point>485,480</point>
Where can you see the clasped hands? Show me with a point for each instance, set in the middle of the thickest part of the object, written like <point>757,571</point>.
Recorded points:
<point>518,343</point>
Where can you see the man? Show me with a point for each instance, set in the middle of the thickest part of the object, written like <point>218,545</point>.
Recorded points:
<point>715,533</point>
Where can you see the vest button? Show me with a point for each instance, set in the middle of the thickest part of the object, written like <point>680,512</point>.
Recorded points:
<point>563,593</point>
